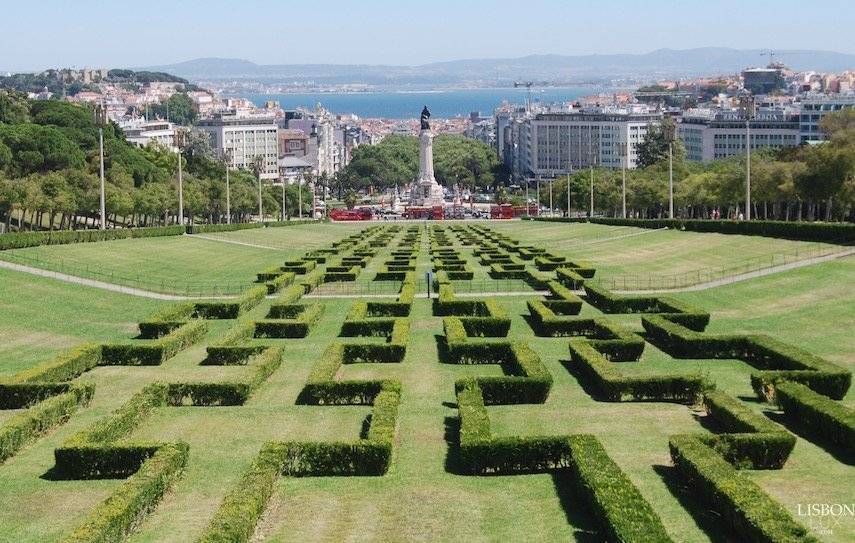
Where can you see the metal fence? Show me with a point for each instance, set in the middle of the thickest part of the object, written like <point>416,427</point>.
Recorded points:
<point>653,281</point>
<point>162,286</point>
<point>390,288</point>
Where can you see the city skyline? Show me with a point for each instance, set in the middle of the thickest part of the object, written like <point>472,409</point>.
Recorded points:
<point>90,33</point>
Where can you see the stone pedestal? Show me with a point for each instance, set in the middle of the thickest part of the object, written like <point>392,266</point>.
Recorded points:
<point>426,191</point>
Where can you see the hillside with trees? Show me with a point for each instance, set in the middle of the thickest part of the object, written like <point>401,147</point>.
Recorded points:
<point>49,166</point>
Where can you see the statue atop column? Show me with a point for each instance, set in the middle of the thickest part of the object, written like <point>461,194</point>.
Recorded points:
<point>426,191</point>
<point>424,119</point>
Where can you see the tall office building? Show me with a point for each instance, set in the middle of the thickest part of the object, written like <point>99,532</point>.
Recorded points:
<point>243,138</point>
<point>711,134</point>
<point>815,107</point>
<point>553,143</point>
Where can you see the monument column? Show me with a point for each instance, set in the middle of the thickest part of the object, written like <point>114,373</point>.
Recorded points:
<point>426,155</point>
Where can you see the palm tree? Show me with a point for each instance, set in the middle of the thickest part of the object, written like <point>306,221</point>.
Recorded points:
<point>258,167</point>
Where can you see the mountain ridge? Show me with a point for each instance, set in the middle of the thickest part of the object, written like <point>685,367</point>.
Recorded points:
<point>657,64</point>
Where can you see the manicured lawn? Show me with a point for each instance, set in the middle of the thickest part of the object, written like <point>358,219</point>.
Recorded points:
<point>420,499</point>
<point>42,317</point>
<point>623,250</point>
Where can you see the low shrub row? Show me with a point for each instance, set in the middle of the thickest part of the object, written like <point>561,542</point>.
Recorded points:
<point>323,389</point>
<point>95,452</point>
<point>526,381</point>
<point>231,309</point>
<point>369,456</point>
<point>623,513</point>
<point>235,392</point>
<point>153,352</point>
<point>115,517</point>
<point>20,240</point>
<point>741,504</point>
<point>818,416</point>
<point>288,321</point>
<point>299,267</point>
<point>234,347</point>
<point>674,310</point>
<point>805,231</point>
<point>24,427</point>
<point>241,509</point>
<point>752,441</point>
<point>610,338</point>
<point>63,367</point>
<point>776,360</point>
<point>610,384</point>
<point>481,453</point>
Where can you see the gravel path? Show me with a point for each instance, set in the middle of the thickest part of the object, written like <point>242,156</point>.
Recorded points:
<point>232,241</point>
<point>748,275</point>
<point>160,296</point>
<point>101,284</point>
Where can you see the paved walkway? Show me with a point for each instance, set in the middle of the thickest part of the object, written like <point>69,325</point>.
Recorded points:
<point>103,285</point>
<point>748,275</point>
<point>233,241</point>
<point>160,296</point>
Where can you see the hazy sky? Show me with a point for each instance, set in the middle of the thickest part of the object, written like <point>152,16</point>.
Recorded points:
<point>49,33</point>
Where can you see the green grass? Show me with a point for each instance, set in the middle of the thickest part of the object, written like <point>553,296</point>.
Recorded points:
<point>624,250</point>
<point>40,317</point>
<point>182,264</point>
<point>419,499</point>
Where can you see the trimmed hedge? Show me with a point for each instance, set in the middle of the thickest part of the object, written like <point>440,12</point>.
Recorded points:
<point>818,416</point>
<point>93,453</point>
<point>153,352</point>
<point>776,360</point>
<point>234,347</point>
<point>24,427</point>
<point>674,310</point>
<point>322,389</point>
<point>115,517</point>
<point>229,392</point>
<point>288,321</point>
<point>480,453</point>
<point>241,509</point>
<point>623,513</point>
<point>743,505</point>
<point>20,240</point>
<point>805,231</point>
<point>231,309</point>
<point>612,385</point>
<point>526,381</point>
<point>63,367</point>
<point>752,441</point>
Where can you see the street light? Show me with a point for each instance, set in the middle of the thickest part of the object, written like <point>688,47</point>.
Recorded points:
<point>227,155</point>
<point>103,204</point>
<point>300,196</point>
<point>670,180</point>
<point>623,149</point>
<point>749,114</point>
<point>179,141</point>
<point>568,195</point>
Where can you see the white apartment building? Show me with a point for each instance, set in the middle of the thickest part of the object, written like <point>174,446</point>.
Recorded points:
<point>244,137</point>
<point>712,134</point>
<point>141,132</point>
<point>556,143</point>
<point>817,106</point>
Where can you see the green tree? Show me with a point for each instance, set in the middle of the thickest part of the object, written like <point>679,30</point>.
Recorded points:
<point>178,109</point>
<point>654,146</point>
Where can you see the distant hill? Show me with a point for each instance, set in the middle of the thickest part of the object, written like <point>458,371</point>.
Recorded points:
<point>662,63</point>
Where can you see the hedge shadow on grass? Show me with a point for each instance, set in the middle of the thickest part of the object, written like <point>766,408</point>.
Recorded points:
<point>806,433</point>
<point>577,513</point>
<point>705,519</point>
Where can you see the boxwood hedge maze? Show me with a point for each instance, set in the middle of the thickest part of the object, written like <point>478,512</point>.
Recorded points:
<point>502,351</point>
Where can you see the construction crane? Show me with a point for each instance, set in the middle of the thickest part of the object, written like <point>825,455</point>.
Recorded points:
<point>527,85</point>
<point>771,55</point>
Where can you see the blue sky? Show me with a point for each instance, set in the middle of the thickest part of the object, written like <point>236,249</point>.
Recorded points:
<point>47,33</point>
